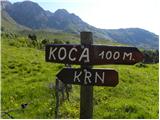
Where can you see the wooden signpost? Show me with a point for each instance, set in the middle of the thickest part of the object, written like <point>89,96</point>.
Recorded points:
<point>86,92</point>
<point>87,55</point>
<point>97,77</point>
<point>92,54</point>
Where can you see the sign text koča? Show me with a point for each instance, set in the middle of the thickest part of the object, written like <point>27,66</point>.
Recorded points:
<point>92,55</point>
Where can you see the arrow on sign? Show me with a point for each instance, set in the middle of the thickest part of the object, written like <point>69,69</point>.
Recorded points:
<point>92,54</point>
<point>98,77</point>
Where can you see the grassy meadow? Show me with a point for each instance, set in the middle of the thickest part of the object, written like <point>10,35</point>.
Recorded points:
<point>27,78</point>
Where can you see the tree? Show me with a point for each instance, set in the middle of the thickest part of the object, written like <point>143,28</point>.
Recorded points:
<point>33,38</point>
<point>57,41</point>
<point>2,28</point>
<point>151,56</point>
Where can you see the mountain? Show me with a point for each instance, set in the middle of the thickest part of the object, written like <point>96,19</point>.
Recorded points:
<point>4,4</point>
<point>135,37</point>
<point>28,13</point>
<point>8,23</point>
<point>31,15</point>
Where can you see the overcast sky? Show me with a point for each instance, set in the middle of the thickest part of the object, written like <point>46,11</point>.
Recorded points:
<point>110,14</point>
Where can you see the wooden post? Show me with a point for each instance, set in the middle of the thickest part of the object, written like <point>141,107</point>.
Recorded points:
<point>86,92</point>
<point>57,99</point>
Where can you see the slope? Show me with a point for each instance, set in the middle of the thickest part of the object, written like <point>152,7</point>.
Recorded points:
<point>28,79</point>
<point>8,24</point>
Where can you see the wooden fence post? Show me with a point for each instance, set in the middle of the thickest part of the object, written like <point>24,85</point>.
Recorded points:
<point>86,92</point>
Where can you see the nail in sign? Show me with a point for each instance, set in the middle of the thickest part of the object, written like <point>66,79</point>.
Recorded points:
<point>98,77</point>
<point>92,54</point>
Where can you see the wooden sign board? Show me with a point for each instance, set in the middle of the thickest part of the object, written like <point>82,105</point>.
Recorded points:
<point>98,77</point>
<point>92,54</point>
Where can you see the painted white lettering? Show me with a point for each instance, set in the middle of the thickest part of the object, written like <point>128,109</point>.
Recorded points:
<point>116,55</point>
<point>87,77</point>
<point>70,52</point>
<point>101,54</point>
<point>108,55</point>
<point>60,55</point>
<point>76,76</point>
<point>97,76</point>
<point>51,53</point>
<point>85,54</point>
<point>128,55</point>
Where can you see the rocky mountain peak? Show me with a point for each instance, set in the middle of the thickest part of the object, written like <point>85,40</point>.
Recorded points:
<point>5,3</point>
<point>61,11</point>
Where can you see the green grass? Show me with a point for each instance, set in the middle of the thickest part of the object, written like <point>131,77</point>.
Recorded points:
<point>51,35</point>
<point>26,77</point>
<point>136,95</point>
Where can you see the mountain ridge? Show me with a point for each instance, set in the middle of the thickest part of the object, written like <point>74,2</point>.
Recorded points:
<point>33,16</point>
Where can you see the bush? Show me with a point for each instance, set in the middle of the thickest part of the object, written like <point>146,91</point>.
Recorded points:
<point>151,56</point>
<point>57,41</point>
<point>141,65</point>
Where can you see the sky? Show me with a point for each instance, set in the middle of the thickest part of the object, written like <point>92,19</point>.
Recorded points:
<point>110,14</point>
